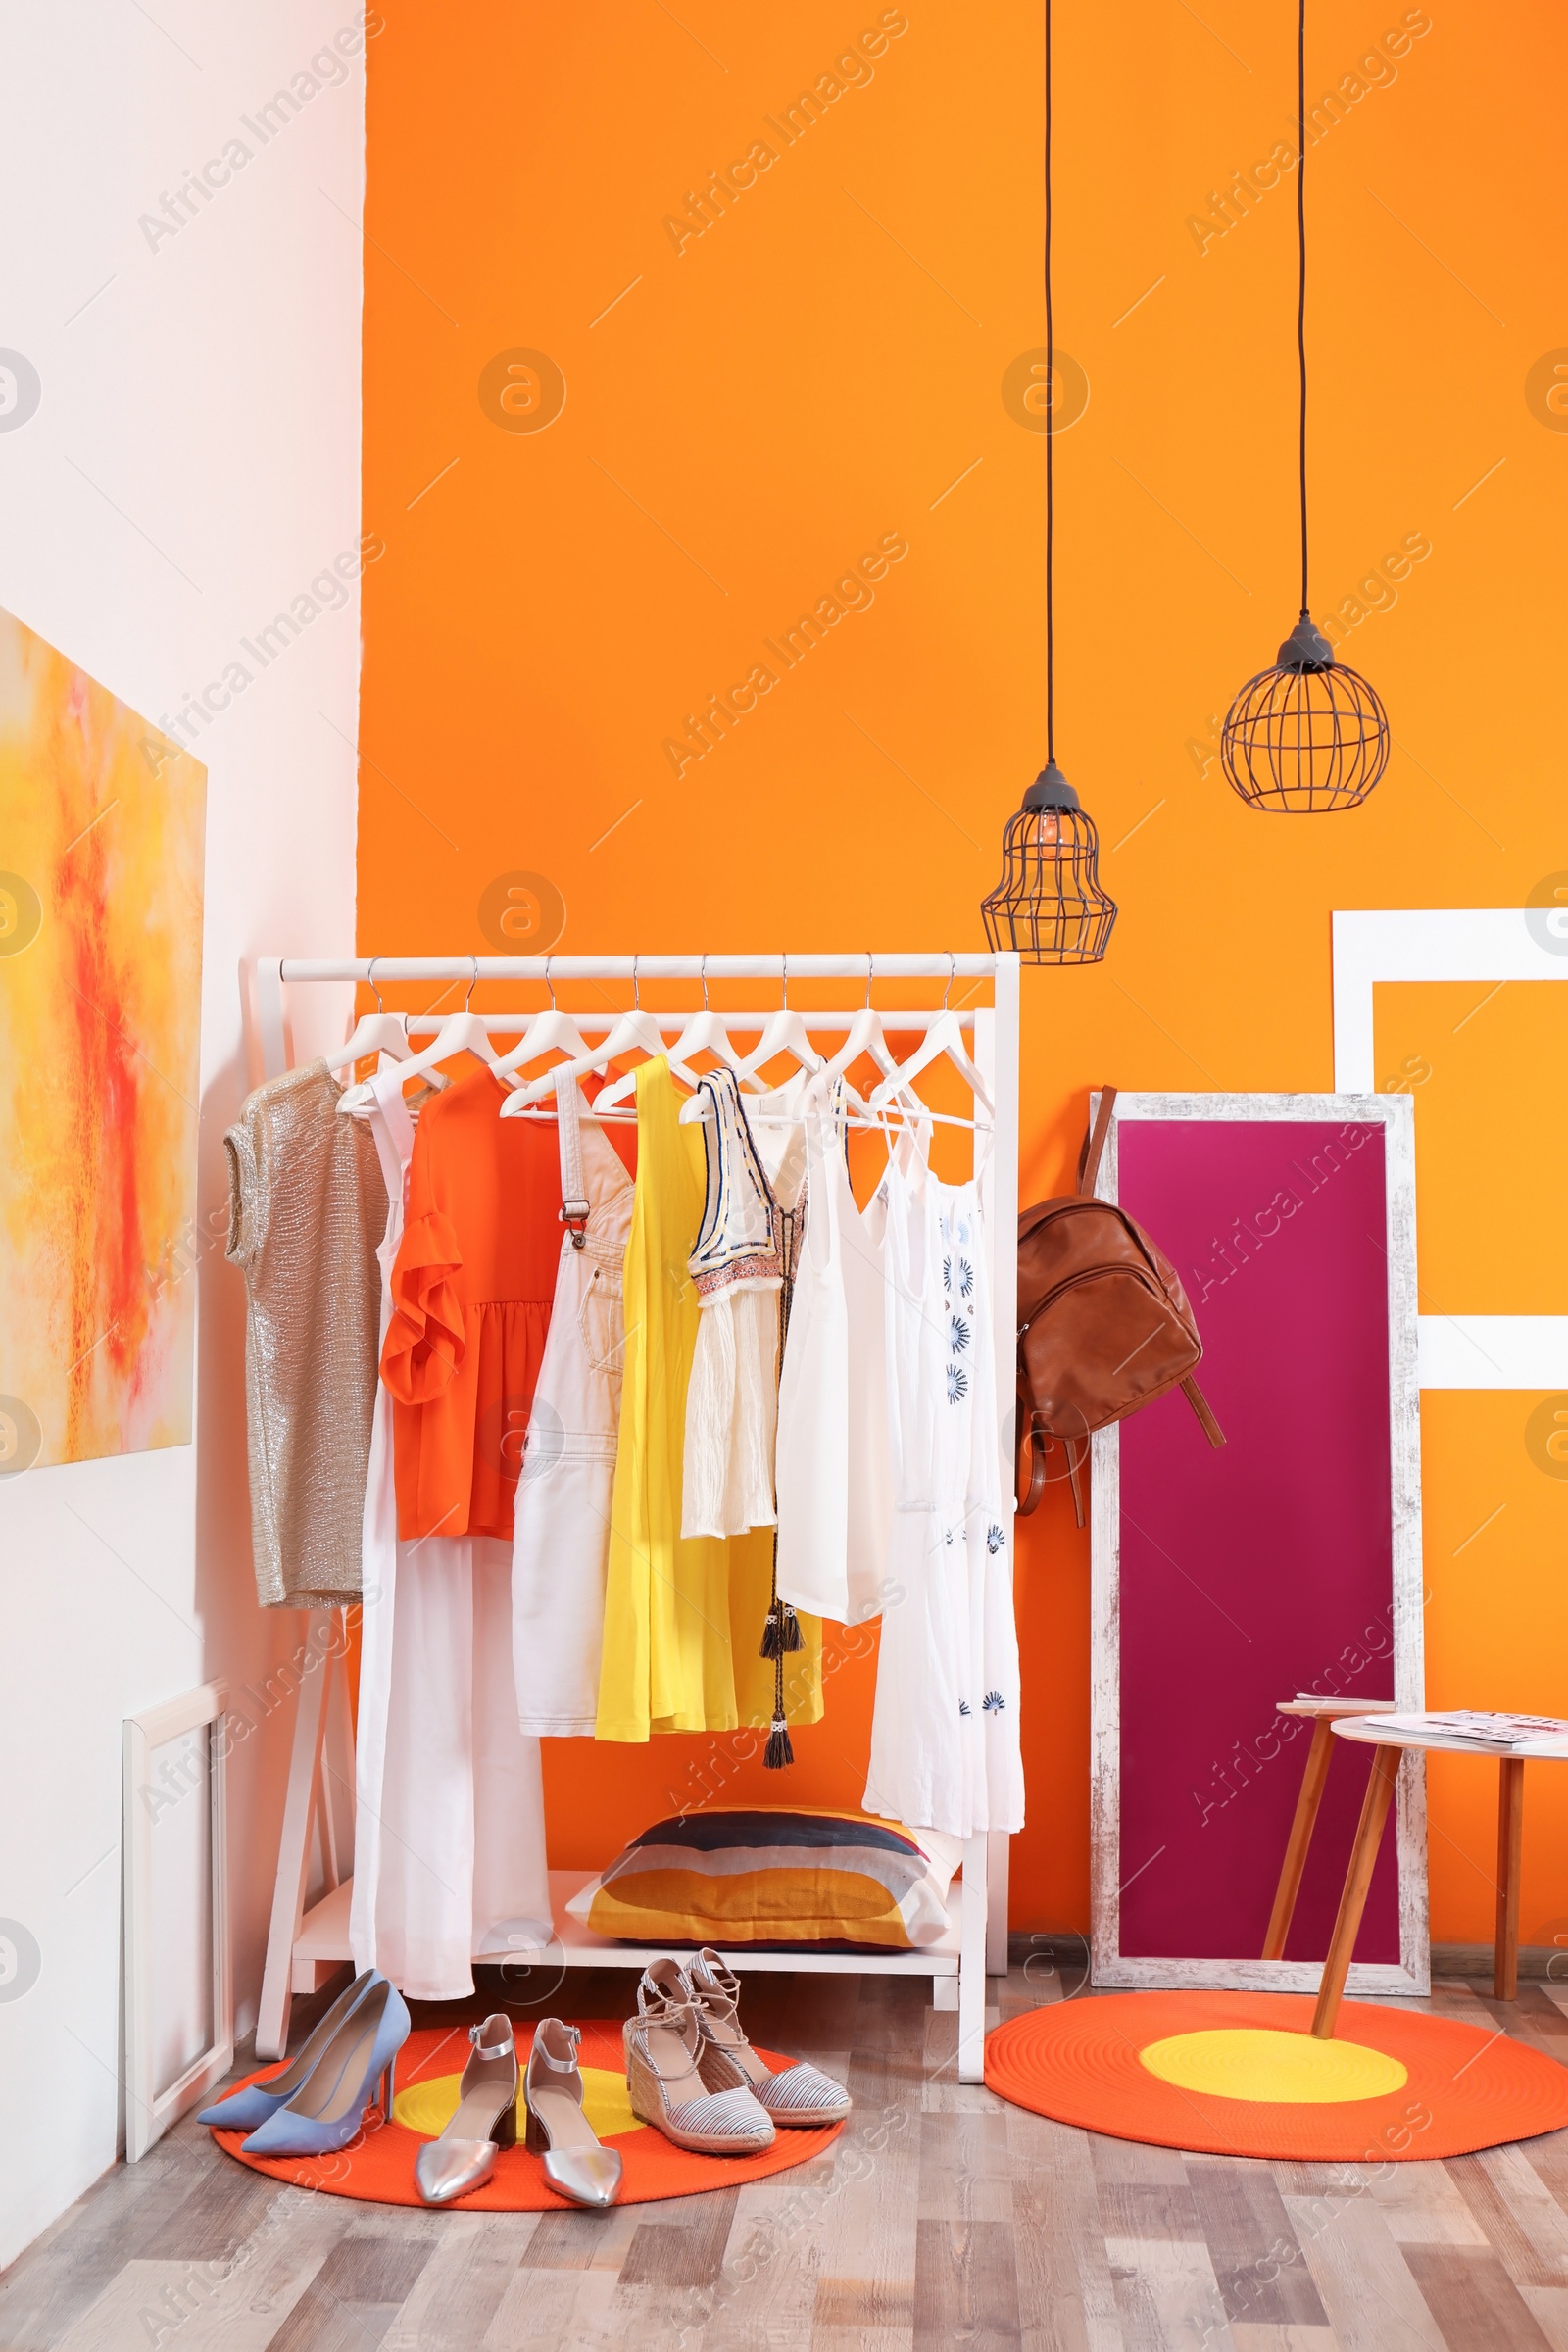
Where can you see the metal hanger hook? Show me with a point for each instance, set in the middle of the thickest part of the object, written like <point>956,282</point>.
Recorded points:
<point>952,968</point>
<point>636,991</point>
<point>472,984</point>
<point>784,991</point>
<point>870,975</point>
<point>379,1006</point>
<point>550,986</point>
<point>703,975</point>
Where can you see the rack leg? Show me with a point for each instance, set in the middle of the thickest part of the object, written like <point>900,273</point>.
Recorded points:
<point>293,1865</point>
<point>998,1858</point>
<point>271,1019</point>
<point>972,1964</point>
<point>337,1765</point>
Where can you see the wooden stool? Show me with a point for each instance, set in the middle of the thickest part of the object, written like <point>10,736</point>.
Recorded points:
<point>1390,1746</point>
<point>1322,1713</point>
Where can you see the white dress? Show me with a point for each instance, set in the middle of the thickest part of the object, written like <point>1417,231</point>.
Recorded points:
<point>835,1482</point>
<point>755,1183</point>
<point>449,1838</point>
<point>560,1539</point>
<point>945,1726</point>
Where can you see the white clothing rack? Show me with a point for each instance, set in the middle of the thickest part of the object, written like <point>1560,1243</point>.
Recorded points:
<point>304,1949</point>
<point>507,1024</point>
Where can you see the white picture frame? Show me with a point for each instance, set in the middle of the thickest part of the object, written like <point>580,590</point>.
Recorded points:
<point>1425,944</point>
<point>1411,1974</point>
<point>149,1789</point>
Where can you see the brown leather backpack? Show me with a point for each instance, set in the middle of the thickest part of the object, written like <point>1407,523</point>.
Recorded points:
<point>1103,1325</point>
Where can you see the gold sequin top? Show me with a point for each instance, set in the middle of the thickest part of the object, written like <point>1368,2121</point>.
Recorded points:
<point>308,1207</point>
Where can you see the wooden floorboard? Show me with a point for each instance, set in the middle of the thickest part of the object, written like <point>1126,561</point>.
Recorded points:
<point>940,2216</point>
<point>1473,2300</point>
<point>1259,2264</point>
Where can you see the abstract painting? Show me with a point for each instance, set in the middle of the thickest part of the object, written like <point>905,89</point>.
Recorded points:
<point>102,826</point>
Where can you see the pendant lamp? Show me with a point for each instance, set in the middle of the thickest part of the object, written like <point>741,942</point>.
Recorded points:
<point>1308,735</point>
<point>1049,904</point>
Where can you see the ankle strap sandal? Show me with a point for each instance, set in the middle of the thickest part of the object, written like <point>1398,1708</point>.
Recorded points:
<point>577,2165</point>
<point>464,2155</point>
<point>665,2046</point>
<point>801,2096</point>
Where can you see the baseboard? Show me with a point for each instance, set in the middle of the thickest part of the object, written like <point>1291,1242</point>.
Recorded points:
<point>1540,1960</point>
<point>1544,1962</point>
<point>1049,1943</point>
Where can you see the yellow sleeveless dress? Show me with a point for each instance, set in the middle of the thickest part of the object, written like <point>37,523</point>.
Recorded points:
<point>683,1615</point>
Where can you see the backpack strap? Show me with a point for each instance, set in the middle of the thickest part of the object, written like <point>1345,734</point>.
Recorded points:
<point>1202,1408</point>
<point>1075,1463</point>
<point>1094,1143</point>
<point>1030,1440</point>
<point>1034,1435</point>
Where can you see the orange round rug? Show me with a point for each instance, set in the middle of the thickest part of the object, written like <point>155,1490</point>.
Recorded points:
<point>377,2164</point>
<point>1394,2083</point>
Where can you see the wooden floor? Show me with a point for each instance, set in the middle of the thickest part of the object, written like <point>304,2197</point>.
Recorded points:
<point>942,2217</point>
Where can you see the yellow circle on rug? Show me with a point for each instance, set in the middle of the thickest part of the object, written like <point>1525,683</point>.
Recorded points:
<point>1281,2070</point>
<point>428,2107</point>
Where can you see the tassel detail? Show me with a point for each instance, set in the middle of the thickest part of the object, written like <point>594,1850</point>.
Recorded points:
<point>778,1752</point>
<point>782,1629</point>
<point>781,1632</point>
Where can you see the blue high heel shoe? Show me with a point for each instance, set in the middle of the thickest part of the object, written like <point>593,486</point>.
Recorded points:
<point>328,2108</point>
<point>245,2109</point>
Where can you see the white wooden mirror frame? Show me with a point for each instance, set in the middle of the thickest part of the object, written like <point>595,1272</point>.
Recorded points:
<point>1109,1967</point>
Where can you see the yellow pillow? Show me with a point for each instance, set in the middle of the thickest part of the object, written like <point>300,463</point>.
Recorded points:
<point>835,1882</point>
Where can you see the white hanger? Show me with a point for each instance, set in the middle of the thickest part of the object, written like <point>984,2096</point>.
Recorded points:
<point>552,1032</point>
<point>377,1032</point>
<point>785,1034</point>
<point>635,1030</point>
<point>463,1033</point>
<point>944,1036</point>
<point>703,1033</point>
<point>866,1036</point>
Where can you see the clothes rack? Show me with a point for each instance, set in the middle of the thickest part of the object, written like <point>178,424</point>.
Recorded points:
<point>305,1947</point>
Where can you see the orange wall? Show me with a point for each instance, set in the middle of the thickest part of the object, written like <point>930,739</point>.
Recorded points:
<point>824,366</point>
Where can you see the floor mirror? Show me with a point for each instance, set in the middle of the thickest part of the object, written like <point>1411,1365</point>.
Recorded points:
<point>1284,1565</point>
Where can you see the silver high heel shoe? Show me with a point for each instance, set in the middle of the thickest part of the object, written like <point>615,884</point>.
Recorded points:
<point>464,2155</point>
<point>577,2165</point>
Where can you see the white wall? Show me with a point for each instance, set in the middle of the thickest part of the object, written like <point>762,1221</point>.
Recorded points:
<point>192,465</point>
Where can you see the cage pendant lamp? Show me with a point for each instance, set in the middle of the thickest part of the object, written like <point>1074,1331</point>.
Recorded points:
<point>1307,736</point>
<point>1049,904</point>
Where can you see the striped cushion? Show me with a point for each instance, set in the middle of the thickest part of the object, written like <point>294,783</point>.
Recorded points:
<point>771,1880</point>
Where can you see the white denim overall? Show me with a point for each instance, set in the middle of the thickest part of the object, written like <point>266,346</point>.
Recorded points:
<point>561,1529</point>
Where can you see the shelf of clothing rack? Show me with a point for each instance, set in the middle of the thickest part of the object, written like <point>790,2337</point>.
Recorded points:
<point>305,1946</point>
<point>322,1946</point>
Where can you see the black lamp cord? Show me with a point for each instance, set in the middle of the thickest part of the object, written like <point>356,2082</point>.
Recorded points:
<point>1300,246</point>
<point>1051,435</point>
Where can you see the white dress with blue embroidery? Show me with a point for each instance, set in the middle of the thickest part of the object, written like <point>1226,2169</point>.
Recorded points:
<point>945,1729</point>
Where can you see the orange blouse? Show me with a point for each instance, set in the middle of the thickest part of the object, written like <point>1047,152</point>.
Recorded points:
<point>472,1288</point>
